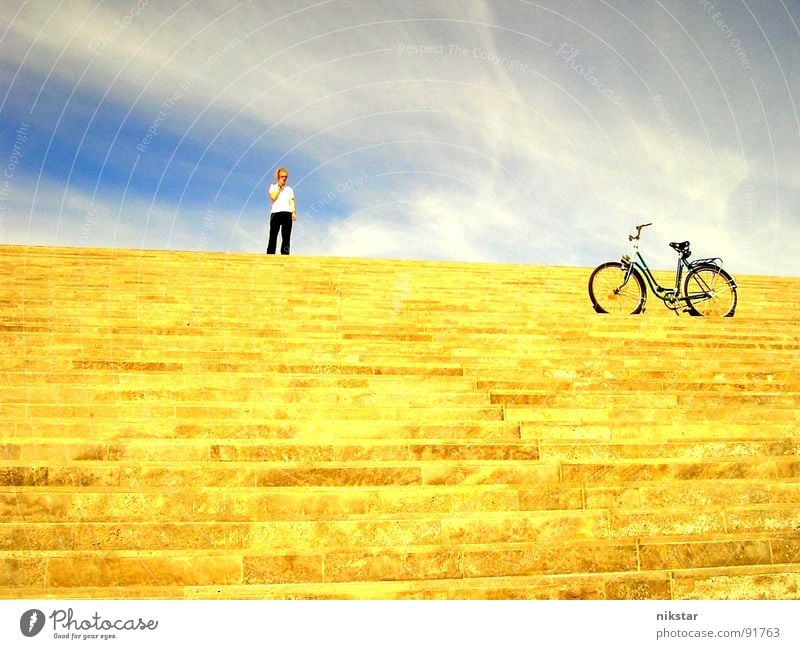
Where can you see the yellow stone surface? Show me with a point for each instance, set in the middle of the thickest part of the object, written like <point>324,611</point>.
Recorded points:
<point>180,425</point>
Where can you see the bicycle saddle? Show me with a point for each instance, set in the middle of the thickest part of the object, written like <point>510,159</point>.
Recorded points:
<point>681,247</point>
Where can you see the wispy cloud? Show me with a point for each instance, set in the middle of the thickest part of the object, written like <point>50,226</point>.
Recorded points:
<point>518,132</point>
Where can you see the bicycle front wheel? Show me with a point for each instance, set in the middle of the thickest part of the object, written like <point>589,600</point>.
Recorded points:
<point>608,294</point>
<point>710,291</point>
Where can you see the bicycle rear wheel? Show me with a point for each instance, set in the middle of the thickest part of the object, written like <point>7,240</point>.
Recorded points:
<point>607,293</point>
<point>710,291</point>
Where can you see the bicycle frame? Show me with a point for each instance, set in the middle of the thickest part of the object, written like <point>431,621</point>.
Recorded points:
<point>671,297</point>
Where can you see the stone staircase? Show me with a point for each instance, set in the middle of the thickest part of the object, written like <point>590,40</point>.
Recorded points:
<point>197,425</point>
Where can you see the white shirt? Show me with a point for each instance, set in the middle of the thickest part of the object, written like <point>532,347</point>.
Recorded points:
<point>281,203</point>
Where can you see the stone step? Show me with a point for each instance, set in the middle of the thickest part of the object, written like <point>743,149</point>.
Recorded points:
<point>408,428</point>
<point>214,578</point>
<point>321,397</point>
<point>633,431</point>
<point>144,475</point>
<point>473,543</point>
<point>319,472</point>
<point>40,449</point>
<point>148,450</point>
<point>241,504</point>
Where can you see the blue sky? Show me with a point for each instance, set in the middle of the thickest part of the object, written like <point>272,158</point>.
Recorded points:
<point>509,131</point>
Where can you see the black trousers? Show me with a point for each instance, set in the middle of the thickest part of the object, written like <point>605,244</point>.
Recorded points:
<point>279,221</point>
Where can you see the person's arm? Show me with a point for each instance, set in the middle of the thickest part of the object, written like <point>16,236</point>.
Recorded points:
<point>294,209</point>
<point>274,192</point>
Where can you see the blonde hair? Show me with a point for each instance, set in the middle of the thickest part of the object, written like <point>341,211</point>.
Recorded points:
<point>278,172</point>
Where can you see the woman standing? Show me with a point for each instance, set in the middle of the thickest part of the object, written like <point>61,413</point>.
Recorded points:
<point>283,212</point>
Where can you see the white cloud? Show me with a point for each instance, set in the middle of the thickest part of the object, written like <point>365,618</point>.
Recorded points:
<point>516,153</point>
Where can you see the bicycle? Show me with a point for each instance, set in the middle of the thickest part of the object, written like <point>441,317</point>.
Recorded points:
<point>619,286</point>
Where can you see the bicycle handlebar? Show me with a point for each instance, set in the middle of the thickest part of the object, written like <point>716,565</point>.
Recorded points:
<point>638,232</point>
